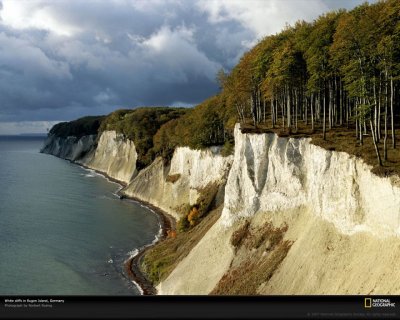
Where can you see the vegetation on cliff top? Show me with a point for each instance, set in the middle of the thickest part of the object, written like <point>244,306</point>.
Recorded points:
<point>208,124</point>
<point>140,125</point>
<point>77,128</point>
<point>340,71</point>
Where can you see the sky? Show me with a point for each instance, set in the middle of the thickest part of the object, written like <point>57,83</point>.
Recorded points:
<point>64,59</point>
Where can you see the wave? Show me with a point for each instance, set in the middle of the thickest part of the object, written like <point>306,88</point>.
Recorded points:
<point>132,254</point>
<point>91,173</point>
<point>158,235</point>
<point>138,287</point>
<point>116,193</point>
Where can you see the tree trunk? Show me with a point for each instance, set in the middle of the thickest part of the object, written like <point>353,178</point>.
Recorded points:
<point>296,101</point>
<point>356,123</point>
<point>386,121</point>
<point>324,116</point>
<point>312,112</point>
<point>330,104</point>
<point>288,109</point>
<point>375,143</point>
<point>392,113</point>
<point>265,110</point>
<point>272,112</point>
<point>375,113</point>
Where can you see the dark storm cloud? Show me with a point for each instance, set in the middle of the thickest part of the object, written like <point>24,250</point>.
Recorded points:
<point>114,55</point>
<point>63,59</point>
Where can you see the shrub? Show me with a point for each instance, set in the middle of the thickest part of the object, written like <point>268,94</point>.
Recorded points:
<point>183,224</point>
<point>171,234</point>
<point>193,216</point>
<point>228,148</point>
<point>206,198</point>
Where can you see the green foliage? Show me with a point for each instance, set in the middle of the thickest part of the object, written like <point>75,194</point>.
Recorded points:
<point>78,128</point>
<point>354,45</point>
<point>208,124</point>
<point>158,131</point>
<point>140,125</point>
<point>183,223</point>
<point>228,148</point>
<point>195,213</point>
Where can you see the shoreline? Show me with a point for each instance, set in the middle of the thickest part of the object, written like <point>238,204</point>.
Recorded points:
<point>131,266</point>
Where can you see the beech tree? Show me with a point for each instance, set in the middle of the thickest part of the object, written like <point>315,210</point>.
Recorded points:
<point>343,69</point>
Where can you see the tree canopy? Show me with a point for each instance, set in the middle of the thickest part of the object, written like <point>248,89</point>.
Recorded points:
<point>78,128</point>
<point>341,69</point>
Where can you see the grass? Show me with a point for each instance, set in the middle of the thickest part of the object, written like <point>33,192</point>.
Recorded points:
<point>159,261</point>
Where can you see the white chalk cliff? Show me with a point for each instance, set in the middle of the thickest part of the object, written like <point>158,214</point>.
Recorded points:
<point>114,156</point>
<point>274,174</point>
<point>194,170</point>
<point>343,221</point>
<point>70,148</point>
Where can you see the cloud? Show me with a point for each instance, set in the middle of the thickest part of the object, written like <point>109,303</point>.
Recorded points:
<point>65,59</point>
<point>176,53</point>
<point>26,14</point>
<point>262,17</point>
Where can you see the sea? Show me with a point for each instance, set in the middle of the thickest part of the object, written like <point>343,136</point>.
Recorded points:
<point>63,230</point>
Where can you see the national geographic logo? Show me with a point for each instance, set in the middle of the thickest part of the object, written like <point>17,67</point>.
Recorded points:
<point>378,303</point>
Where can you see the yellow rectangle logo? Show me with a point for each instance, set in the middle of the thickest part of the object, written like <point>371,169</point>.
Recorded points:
<point>367,303</point>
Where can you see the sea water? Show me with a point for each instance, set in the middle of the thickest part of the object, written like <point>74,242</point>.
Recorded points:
<point>63,231</point>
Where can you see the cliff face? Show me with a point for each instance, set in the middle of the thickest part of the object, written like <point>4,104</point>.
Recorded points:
<point>70,148</point>
<point>297,219</point>
<point>179,184</point>
<point>274,174</point>
<point>114,156</point>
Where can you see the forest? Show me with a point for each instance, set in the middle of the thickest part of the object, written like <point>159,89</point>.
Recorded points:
<point>140,125</point>
<point>78,128</point>
<point>340,71</point>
